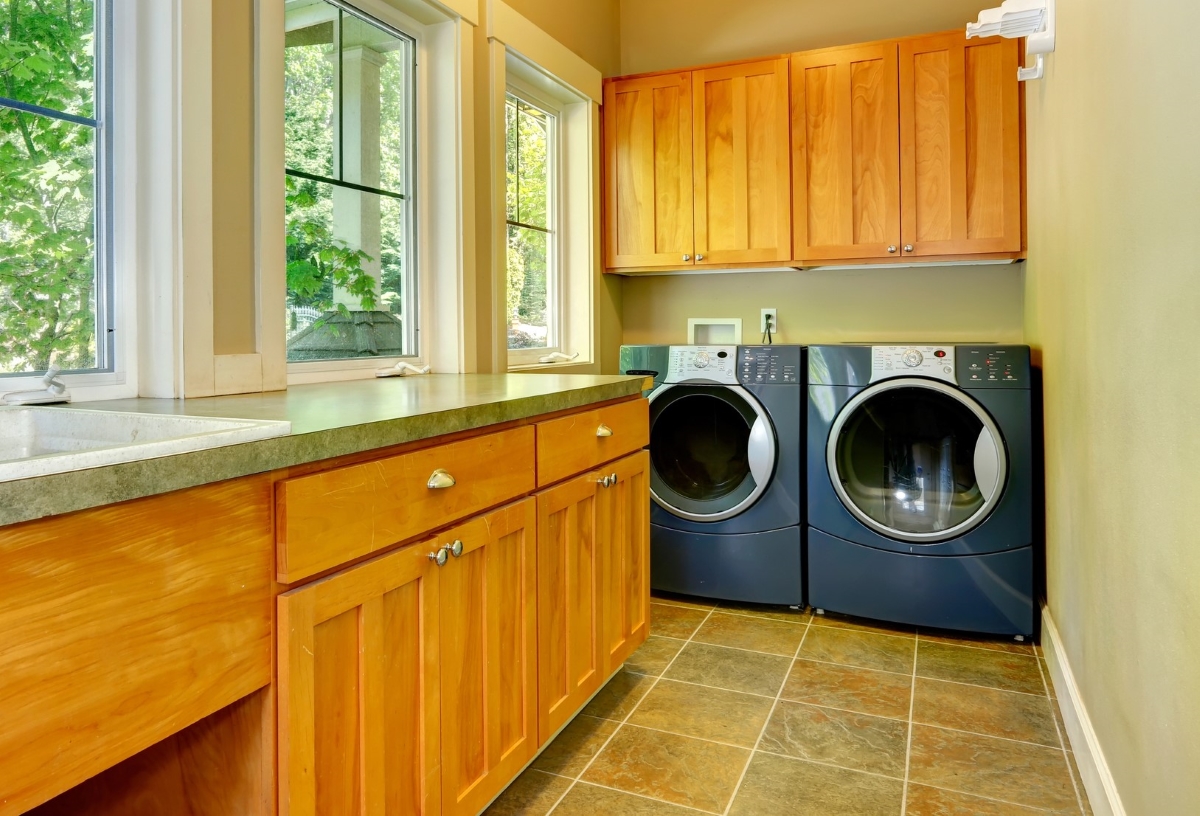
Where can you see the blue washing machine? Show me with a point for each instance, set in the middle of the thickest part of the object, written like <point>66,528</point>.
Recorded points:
<point>726,462</point>
<point>920,485</point>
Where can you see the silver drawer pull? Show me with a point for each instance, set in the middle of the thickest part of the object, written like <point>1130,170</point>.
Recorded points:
<point>439,557</point>
<point>603,430</point>
<point>455,549</point>
<point>440,480</point>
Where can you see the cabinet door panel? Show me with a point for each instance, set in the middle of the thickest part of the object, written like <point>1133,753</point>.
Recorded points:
<point>570,667</point>
<point>846,153</point>
<point>960,126</point>
<point>358,691</point>
<point>489,655</point>
<point>648,171</point>
<point>623,530</point>
<point>741,163</point>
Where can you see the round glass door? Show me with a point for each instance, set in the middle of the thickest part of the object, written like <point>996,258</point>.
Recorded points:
<point>916,460</point>
<point>712,451</point>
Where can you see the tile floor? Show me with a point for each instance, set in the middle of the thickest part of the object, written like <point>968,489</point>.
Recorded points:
<point>745,710</point>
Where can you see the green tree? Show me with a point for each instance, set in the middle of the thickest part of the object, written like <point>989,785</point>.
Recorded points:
<point>527,153</point>
<point>47,187</point>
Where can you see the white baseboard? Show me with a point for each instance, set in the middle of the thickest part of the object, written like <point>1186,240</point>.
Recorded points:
<point>1089,756</point>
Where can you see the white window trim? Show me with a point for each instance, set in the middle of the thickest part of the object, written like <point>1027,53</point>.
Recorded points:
<point>558,319</point>
<point>574,185</point>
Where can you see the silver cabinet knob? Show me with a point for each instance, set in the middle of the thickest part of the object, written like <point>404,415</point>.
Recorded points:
<point>603,431</point>
<point>456,549</point>
<point>440,557</point>
<point>699,257</point>
<point>605,482</point>
<point>892,248</point>
<point>687,257</point>
<point>612,479</point>
<point>440,480</point>
<point>908,247</point>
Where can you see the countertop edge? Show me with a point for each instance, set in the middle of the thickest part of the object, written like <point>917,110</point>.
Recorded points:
<point>60,493</point>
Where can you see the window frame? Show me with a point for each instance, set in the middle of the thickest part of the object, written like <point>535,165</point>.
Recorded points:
<point>557,317</point>
<point>115,323</point>
<point>400,26</point>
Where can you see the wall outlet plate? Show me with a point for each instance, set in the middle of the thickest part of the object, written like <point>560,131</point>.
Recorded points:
<point>762,320</point>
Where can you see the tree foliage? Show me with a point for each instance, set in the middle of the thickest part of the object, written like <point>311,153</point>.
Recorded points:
<point>47,187</point>
<point>527,202</point>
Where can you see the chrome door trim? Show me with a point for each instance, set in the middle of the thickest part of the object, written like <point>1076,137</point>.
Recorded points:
<point>999,473</point>
<point>761,453</point>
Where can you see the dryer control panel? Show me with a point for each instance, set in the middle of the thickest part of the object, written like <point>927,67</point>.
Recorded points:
<point>993,367</point>
<point>936,362</point>
<point>716,364</point>
<point>769,365</point>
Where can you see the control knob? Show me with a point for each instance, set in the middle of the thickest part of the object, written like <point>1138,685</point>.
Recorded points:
<point>913,358</point>
<point>701,359</point>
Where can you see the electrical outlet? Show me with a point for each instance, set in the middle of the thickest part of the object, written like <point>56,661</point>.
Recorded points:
<point>762,320</point>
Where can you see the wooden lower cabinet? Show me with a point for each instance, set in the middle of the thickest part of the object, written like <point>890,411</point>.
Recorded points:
<point>623,525</point>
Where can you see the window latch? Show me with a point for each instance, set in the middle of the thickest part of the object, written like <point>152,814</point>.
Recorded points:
<point>558,357</point>
<point>401,369</point>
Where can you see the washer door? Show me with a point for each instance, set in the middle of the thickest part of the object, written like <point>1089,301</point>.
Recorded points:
<point>712,450</point>
<point>917,460</point>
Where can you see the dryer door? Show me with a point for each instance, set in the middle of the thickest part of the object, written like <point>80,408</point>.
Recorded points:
<point>712,450</point>
<point>917,460</point>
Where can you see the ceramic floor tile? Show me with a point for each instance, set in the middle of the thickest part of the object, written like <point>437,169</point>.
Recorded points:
<point>859,742</point>
<point>866,650</point>
<point>532,793</point>
<point>998,644</point>
<point>1047,677</point>
<point>772,611</point>
<point>707,713</point>
<point>753,634</point>
<point>731,669</point>
<point>575,746</point>
<point>863,690</point>
<point>779,786</point>
<point>994,768</point>
<point>837,621</point>
<point>683,600</point>
<point>590,800</point>
<point>675,621</point>
<point>1073,764</point>
<point>619,696</point>
<point>980,667</point>
<point>988,711</point>
<point>675,769</point>
<point>653,655</point>
<point>926,801</point>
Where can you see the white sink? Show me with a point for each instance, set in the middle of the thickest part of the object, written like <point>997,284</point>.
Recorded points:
<point>40,441</point>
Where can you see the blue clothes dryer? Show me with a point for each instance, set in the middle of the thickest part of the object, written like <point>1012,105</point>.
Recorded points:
<point>920,485</point>
<point>726,457</point>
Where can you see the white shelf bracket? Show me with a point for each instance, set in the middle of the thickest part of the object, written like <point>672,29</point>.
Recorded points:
<point>1031,19</point>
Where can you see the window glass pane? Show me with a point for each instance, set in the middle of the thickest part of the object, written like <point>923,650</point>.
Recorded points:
<point>528,140</point>
<point>376,100</point>
<point>48,263</point>
<point>47,54</point>
<point>345,273</point>
<point>308,94</point>
<point>528,288</point>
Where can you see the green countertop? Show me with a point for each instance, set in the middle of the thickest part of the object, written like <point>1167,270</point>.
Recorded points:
<point>328,420</point>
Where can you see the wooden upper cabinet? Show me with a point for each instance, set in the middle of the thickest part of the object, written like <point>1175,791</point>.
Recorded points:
<point>960,139</point>
<point>846,153</point>
<point>741,163</point>
<point>648,171</point>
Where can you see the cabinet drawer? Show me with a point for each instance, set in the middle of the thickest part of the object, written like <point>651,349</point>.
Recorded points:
<point>326,519</point>
<point>575,443</point>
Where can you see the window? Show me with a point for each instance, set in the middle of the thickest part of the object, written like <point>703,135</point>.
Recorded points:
<point>55,272</point>
<point>532,249</point>
<point>349,148</point>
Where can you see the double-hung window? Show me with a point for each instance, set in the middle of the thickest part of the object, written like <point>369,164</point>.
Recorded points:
<point>349,143</point>
<point>56,293</point>
<point>533,252</point>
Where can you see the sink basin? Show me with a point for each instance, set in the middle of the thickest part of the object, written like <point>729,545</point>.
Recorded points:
<point>40,441</point>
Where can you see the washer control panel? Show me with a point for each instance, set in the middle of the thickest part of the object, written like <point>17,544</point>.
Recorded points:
<point>712,363</point>
<point>769,365</point>
<point>993,366</point>
<point>936,362</point>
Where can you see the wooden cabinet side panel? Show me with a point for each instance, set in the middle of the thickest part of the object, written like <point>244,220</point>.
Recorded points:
<point>569,636</point>
<point>124,625</point>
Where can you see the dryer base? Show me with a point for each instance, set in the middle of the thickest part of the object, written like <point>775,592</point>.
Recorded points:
<point>752,567</point>
<point>990,594</point>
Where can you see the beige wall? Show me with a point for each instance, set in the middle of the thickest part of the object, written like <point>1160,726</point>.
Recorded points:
<point>665,34</point>
<point>1113,306</point>
<point>590,28</point>
<point>939,304</point>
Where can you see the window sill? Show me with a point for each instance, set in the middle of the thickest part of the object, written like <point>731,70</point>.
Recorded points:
<point>572,367</point>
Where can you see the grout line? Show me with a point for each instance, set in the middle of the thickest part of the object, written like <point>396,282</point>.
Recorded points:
<point>751,651</point>
<point>681,604</point>
<point>644,796</point>
<point>985,798</point>
<point>622,722</point>
<point>704,685</point>
<point>912,705</point>
<point>988,736</point>
<point>709,740</point>
<point>745,768</point>
<point>739,614</point>
<point>1062,740</point>
<point>824,764</point>
<point>980,685</point>
<point>981,648</point>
